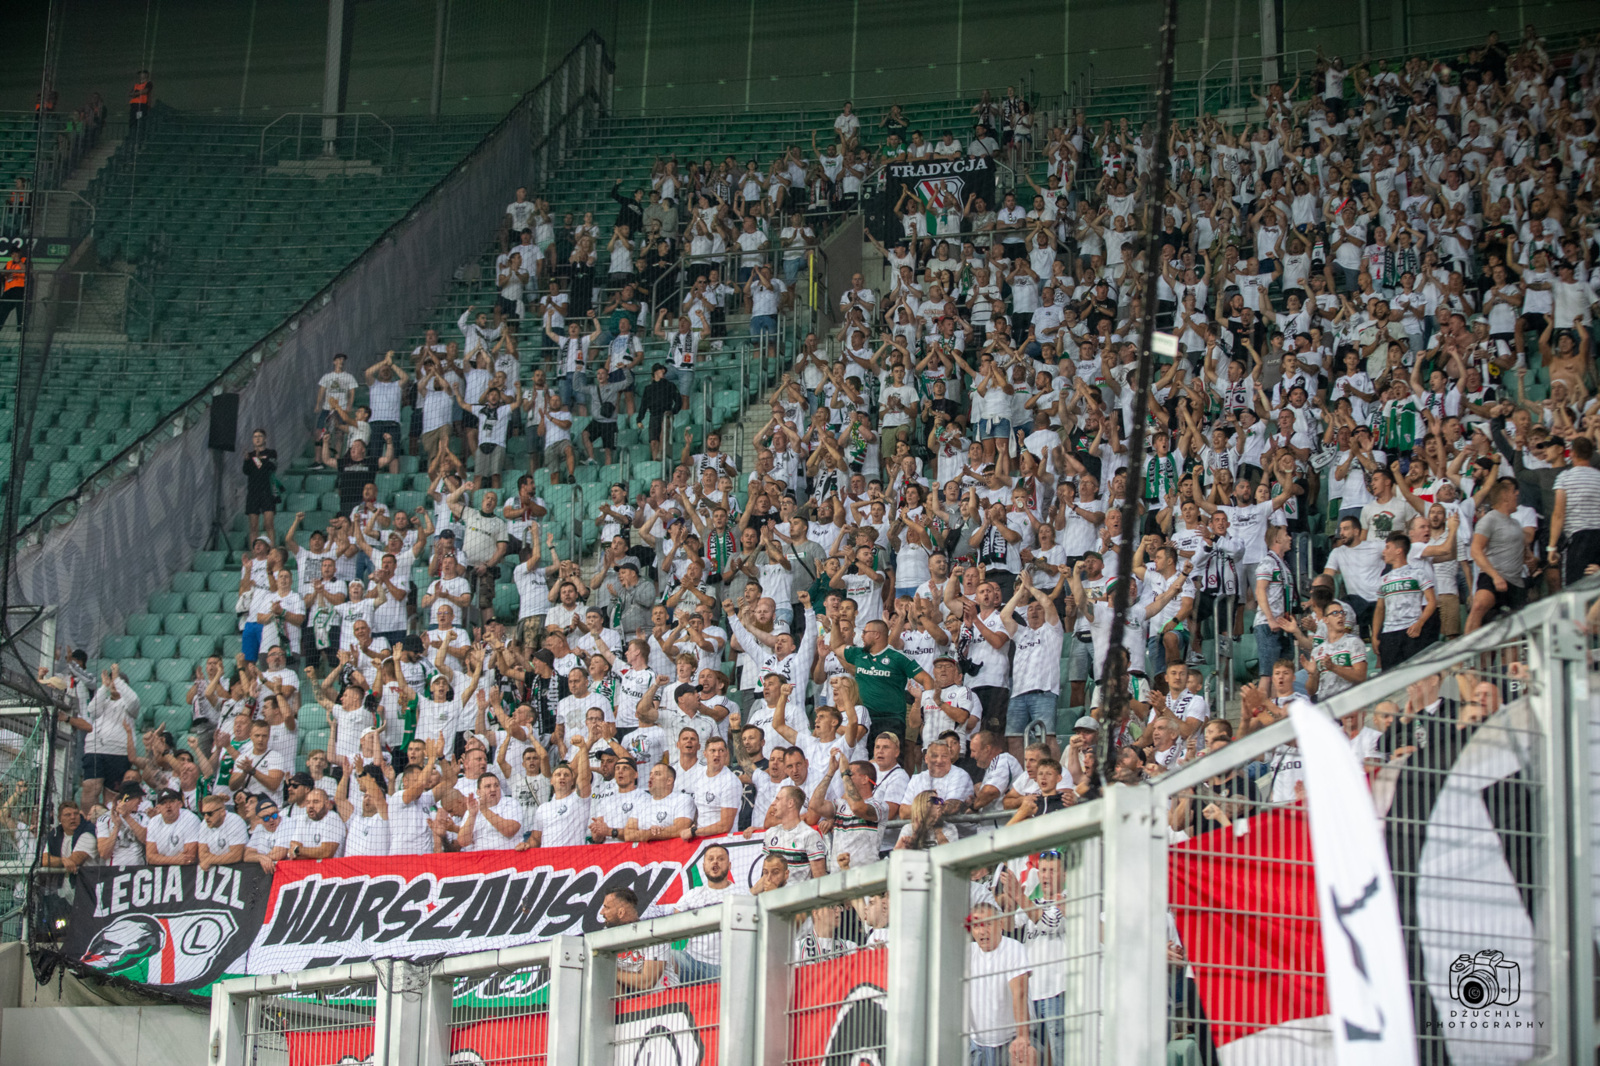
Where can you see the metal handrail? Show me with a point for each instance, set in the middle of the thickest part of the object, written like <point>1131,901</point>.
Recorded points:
<point>300,123</point>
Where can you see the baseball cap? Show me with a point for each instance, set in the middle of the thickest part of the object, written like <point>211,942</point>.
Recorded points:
<point>302,779</point>
<point>937,659</point>
<point>131,788</point>
<point>629,563</point>
<point>1086,722</point>
<point>546,656</point>
<point>684,690</point>
<point>266,808</point>
<point>166,794</point>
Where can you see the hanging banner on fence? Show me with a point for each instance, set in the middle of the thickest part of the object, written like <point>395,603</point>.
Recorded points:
<point>182,929</point>
<point>1256,970</point>
<point>346,910</point>
<point>1362,945</point>
<point>932,182</point>
<point>177,927</point>
<point>836,1016</point>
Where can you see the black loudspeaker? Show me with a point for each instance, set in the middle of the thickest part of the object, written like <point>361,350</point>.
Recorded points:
<point>225,421</point>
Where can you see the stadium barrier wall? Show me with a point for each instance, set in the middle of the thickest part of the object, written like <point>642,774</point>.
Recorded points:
<point>126,540</point>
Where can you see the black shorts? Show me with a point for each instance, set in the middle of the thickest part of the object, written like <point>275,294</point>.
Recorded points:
<point>107,768</point>
<point>378,430</point>
<point>507,308</point>
<point>1396,647</point>
<point>260,501</point>
<point>603,433</point>
<point>1514,598</point>
<point>1582,549</point>
<point>1533,322</point>
<point>993,700</point>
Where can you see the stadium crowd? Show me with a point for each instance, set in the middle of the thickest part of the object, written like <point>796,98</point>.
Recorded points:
<point>1381,291</point>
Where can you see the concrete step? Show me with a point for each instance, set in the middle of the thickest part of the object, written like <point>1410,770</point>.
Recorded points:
<point>90,166</point>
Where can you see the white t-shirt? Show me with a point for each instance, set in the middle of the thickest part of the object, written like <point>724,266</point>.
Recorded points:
<point>712,794</point>
<point>170,838</point>
<point>486,836</point>
<point>652,813</point>
<point>232,832</point>
<point>991,1021</point>
<point>337,385</point>
<point>562,822</point>
<point>329,829</point>
<point>127,851</point>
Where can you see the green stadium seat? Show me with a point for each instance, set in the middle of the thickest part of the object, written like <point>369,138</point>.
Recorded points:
<point>136,669</point>
<point>210,560</point>
<point>408,500</point>
<point>115,649</point>
<point>317,484</point>
<point>310,740</point>
<point>166,603</point>
<point>152,694</point>
<point>219,624</point>
<point>158,647</point>
<point>223,581</point>
<point>187,581</point>
<point>143,625</point>
<point>197,647</point>
<point>507,602</point>
<point>231,646</point>
<point>176,720</point>
<point>175,671</point>
<point>181,625</point>
<point>204,602</point>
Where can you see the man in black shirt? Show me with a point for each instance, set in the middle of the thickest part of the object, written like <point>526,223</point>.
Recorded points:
<point>630,213</point>
<point>747,760</point>
<point>357,470</point>
<point>660,398</point>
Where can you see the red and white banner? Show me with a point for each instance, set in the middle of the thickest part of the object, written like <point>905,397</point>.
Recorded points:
<point>1245,904</point>
<point>322,913</point>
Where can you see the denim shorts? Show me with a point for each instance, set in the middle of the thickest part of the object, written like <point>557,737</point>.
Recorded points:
<point>994,429</point>
<point>1036,706</point>
<point>1080,663</point>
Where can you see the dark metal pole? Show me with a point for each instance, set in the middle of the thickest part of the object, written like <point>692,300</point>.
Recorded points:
<point>1117,690</point>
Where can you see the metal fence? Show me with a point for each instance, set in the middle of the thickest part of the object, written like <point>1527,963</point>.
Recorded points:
<point>838,963</point>
<point>649,998</point>
<point>496,1007</point>
<point>331,1018</point>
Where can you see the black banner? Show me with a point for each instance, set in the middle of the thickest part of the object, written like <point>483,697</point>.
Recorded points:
<point>179,928</point>
<point>928,180</point>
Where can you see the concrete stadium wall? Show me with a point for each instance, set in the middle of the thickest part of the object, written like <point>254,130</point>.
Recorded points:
<point>263,57</point>
<point>103,1036</point>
